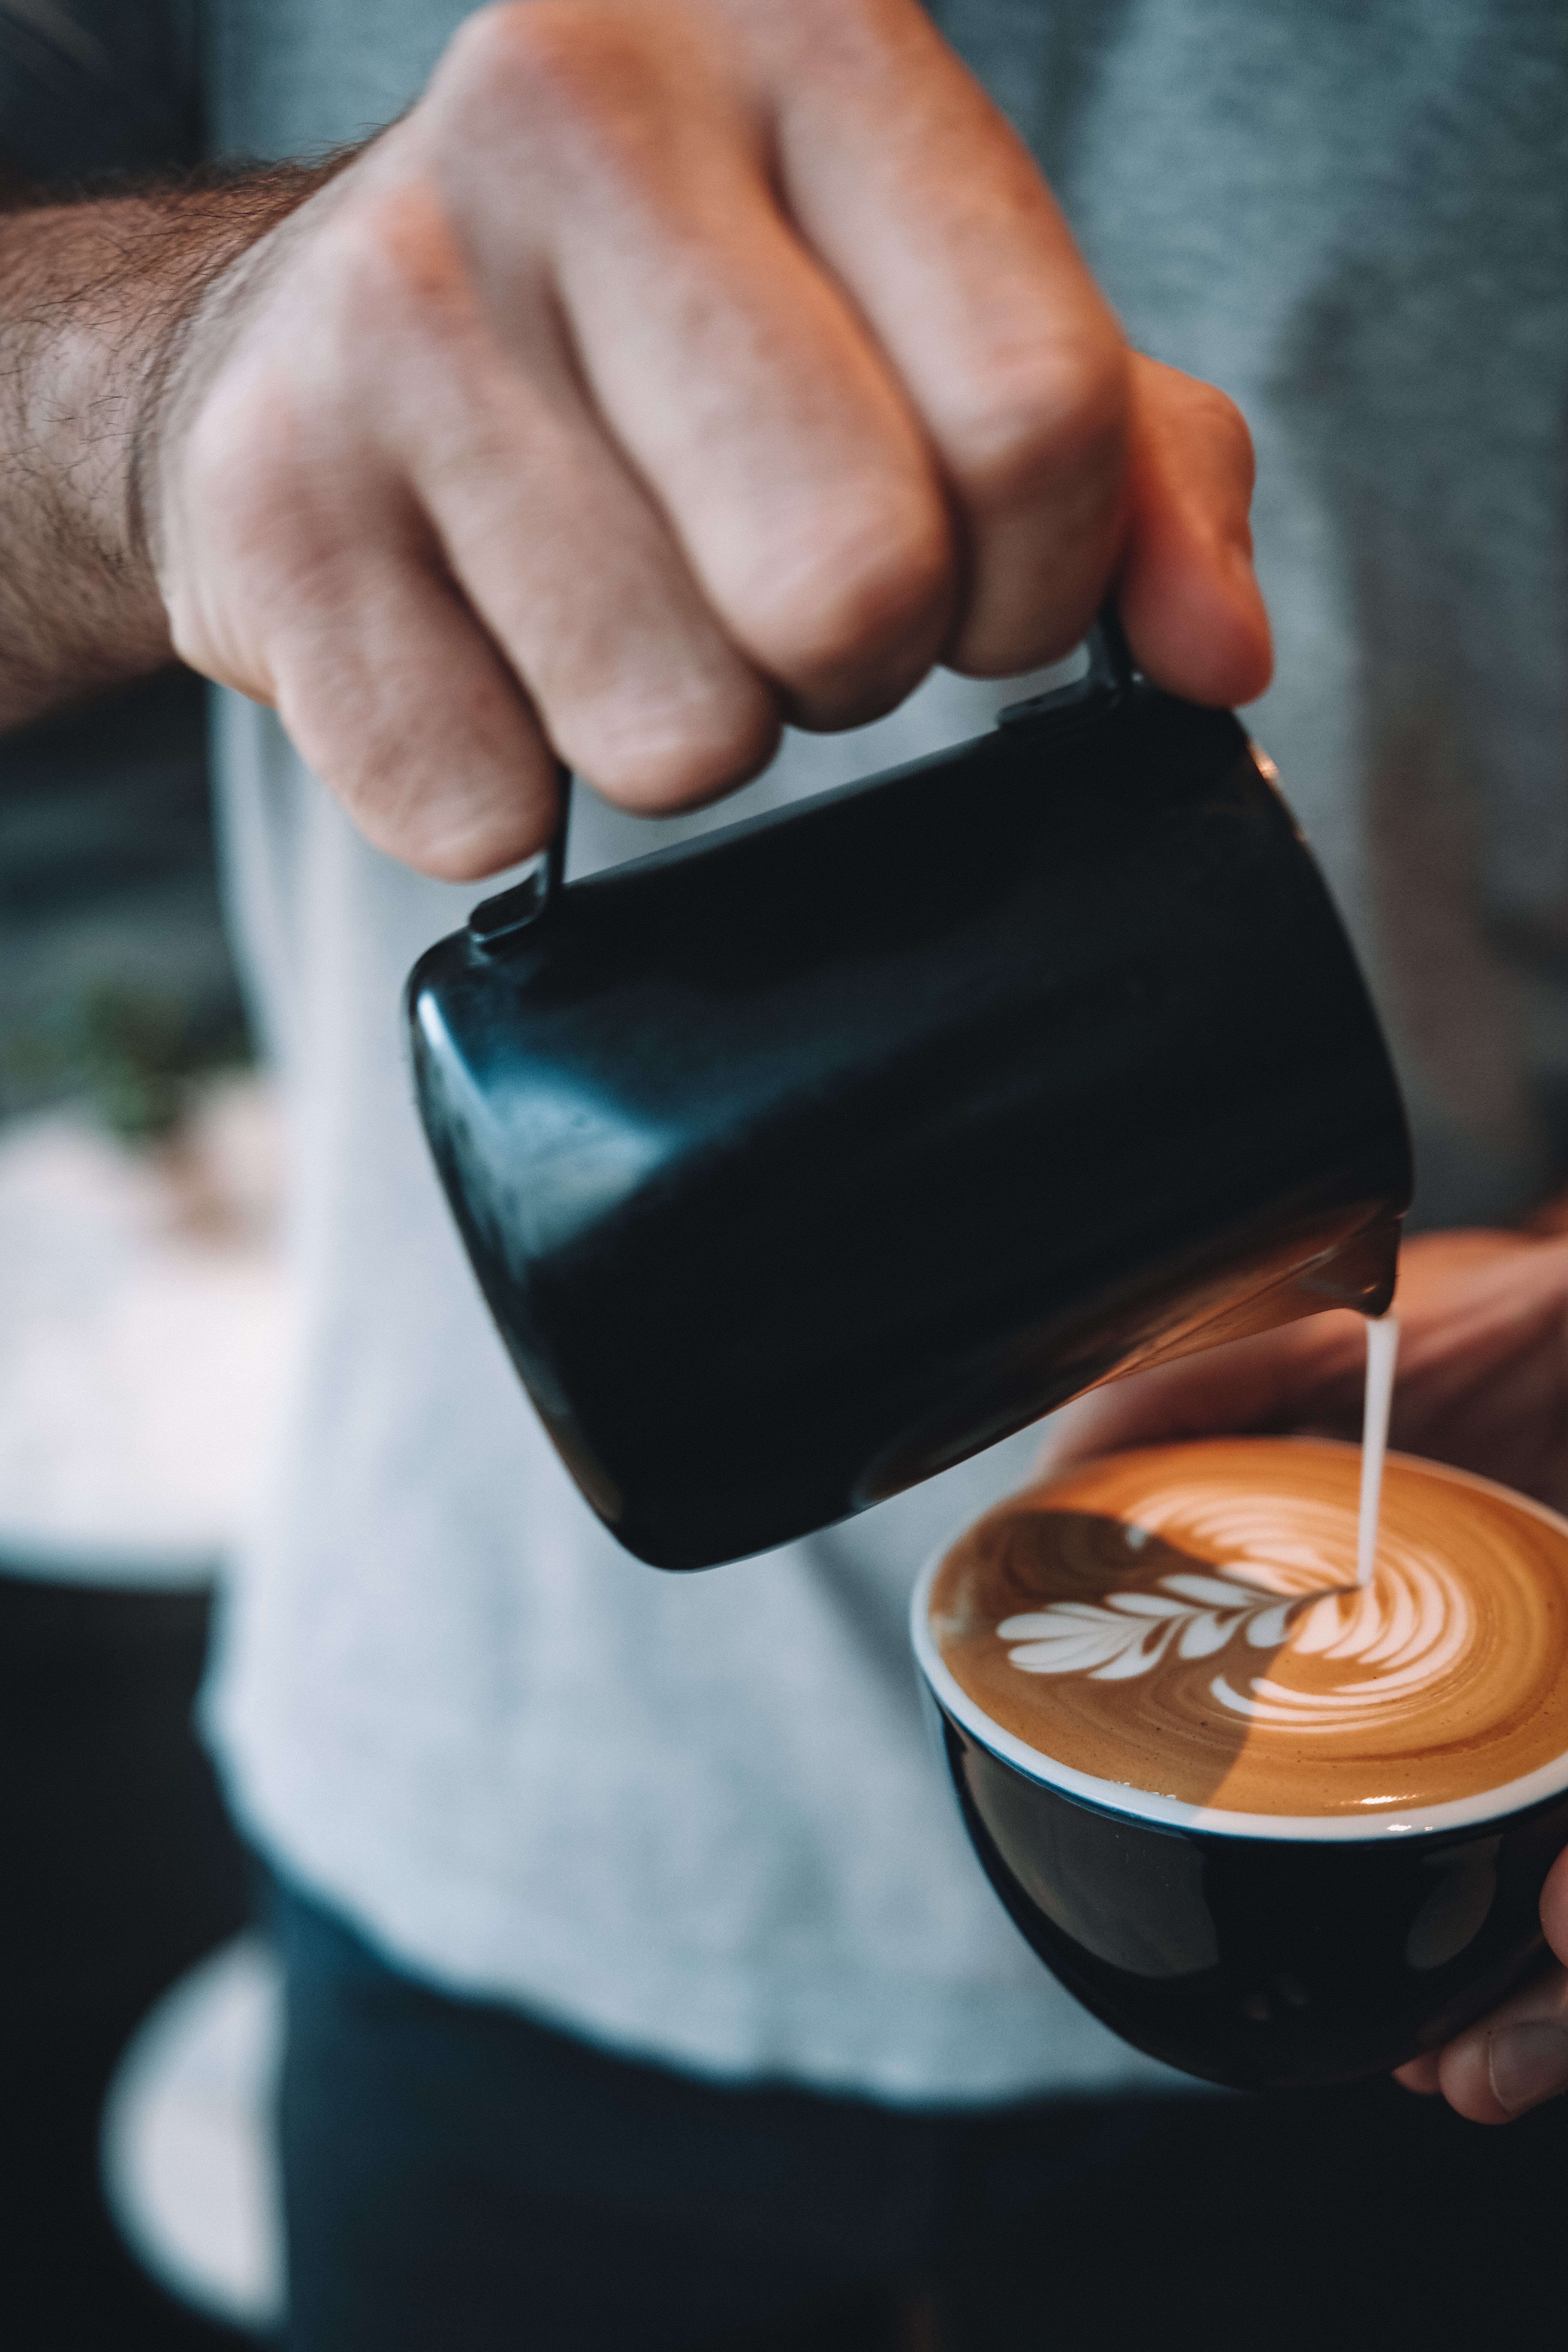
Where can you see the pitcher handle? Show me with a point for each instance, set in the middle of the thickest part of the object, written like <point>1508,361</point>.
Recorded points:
<point>1110,674</point>
<point>530,900</point>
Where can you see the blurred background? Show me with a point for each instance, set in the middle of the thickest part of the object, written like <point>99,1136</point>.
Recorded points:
<point>143,1322</point>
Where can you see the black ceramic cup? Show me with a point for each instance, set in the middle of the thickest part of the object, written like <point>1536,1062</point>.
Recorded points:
<point>1257,1951</point>
<point>800,1162</point>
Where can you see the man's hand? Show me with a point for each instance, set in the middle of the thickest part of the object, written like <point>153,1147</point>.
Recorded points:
<point>666,373</point>
<point>1517,2056</point>
<point>1483,1383</point>
<point>1482,1380</point>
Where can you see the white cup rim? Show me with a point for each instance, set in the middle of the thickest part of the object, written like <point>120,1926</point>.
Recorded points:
<point>1142,1806</point>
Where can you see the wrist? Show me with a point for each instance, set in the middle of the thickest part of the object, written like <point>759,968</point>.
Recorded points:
<point>97,299</point>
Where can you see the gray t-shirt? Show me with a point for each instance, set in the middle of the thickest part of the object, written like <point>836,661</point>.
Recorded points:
<point>699,1818</point>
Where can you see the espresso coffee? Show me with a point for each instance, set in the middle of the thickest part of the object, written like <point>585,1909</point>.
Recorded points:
<point>1184,1622</point>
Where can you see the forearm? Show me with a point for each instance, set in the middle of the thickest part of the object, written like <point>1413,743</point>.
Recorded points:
<point>94,298</point>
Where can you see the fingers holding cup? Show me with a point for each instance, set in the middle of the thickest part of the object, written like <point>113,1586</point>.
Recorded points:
<point>1517,2058</point>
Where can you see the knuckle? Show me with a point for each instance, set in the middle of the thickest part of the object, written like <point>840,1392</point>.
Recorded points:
<point>1208,405</point>
<point>674,750</point>
<point>1216,409</point>
<point>1230,428</point>
<point>552,71</point>
<point>1204,418</point>
<point>1035,418</point>
<point>395,781</point>
<point>504,49</point>
<point>847,591</point>
<point>521,56</point>
<point>452,850</point>
<point>391,264</point>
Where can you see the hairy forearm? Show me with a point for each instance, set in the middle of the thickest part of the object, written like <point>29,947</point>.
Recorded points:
<point>95,297</point>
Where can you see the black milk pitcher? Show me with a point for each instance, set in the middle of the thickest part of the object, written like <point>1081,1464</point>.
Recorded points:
<point>800,1162</point>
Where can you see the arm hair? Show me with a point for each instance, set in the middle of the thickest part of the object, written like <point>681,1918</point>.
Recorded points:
<point>97,292</point>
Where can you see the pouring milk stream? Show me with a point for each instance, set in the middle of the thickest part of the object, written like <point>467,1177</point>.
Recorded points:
<point>1382,1349</point>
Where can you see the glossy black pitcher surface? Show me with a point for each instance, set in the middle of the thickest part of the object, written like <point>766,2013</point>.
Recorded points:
<point>802,1161</point>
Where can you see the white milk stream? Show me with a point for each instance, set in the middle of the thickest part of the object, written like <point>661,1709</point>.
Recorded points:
<point>1382,1348</point>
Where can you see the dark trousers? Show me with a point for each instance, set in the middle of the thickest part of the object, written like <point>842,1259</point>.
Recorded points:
<point>459,2179</point>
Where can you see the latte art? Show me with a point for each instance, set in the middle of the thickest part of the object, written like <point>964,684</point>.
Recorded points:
<point>1411,1626</point>
<point>1185,1621</point>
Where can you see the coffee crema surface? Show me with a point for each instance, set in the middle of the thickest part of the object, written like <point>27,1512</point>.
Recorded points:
<point>1183,1620</point>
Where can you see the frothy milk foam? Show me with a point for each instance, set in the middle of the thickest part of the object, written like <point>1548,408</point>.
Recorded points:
<point>1186,1621</point>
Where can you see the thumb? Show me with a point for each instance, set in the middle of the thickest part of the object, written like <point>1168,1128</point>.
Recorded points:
<point>1515,2060</point>
<point>1187,594</point>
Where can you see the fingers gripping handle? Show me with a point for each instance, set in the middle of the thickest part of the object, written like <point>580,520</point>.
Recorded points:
<point>1108,675</point>
<point>530,900</point>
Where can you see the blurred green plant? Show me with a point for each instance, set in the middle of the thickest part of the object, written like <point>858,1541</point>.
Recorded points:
<point>134,1057</point>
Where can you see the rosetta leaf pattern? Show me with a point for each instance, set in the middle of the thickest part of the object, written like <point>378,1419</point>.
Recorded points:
<point>1129,1633</point>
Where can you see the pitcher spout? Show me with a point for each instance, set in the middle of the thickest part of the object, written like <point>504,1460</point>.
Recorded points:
<point>1360,1274</point>
<point>1357,1270</point>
